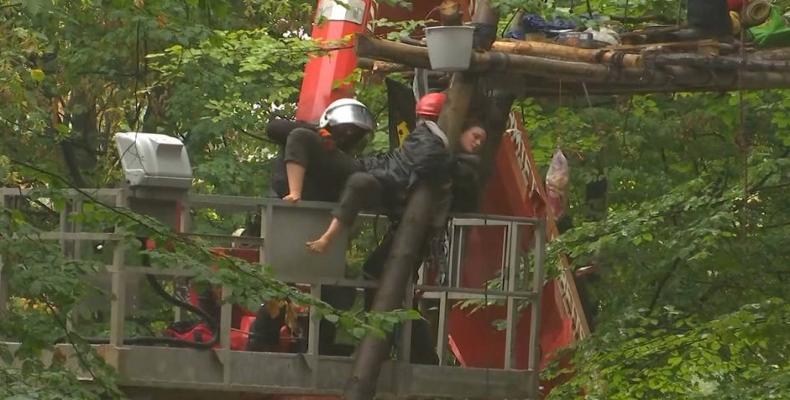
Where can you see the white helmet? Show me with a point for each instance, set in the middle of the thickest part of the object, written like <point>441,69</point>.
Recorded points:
<point>347,111</point>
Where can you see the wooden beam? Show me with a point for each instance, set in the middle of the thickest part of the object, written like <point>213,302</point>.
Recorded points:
<point>665,78</point>
<point>417,56</point>
<point>568,53</point>
<point>382,67</point>
<point>720,63</point>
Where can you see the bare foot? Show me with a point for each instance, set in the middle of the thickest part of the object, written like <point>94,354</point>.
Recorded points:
<point>318,246</point>
<point>292,197</point>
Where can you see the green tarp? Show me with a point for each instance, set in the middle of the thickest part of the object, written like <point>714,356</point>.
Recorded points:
<point>775,32</point>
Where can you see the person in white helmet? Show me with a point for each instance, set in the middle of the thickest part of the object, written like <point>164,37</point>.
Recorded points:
<point>318,159</point>
<point>318,162</point>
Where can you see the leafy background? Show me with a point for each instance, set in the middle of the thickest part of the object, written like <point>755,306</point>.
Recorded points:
<point>679,200</point>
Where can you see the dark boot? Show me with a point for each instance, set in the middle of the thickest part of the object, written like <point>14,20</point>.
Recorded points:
<point>265,331</point>
<point>707,19</point>
<point>710,16</point>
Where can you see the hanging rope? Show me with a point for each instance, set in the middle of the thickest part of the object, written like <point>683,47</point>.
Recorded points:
<point>742,141</point>
<point>627,6</point>
<point>680,9</point>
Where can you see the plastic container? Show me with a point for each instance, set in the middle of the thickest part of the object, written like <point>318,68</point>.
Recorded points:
<point>450,47</point>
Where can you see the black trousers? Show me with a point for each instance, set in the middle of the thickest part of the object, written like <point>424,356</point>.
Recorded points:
<point>361,192</point>
<point>423,350</point>
<point>326,167</point>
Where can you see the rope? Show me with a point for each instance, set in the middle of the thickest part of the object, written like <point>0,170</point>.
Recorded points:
<point>742,142</point>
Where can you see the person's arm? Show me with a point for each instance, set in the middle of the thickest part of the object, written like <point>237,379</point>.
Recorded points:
<point>466,184</point>
<point>430,158</point>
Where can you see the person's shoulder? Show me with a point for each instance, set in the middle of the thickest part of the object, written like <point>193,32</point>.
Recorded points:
<point>278,129</point>
<point>422,133</point>
<point>304,129</point>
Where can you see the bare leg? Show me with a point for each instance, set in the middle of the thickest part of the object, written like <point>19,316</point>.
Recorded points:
<point>321,244</point>
<point>295,173</point>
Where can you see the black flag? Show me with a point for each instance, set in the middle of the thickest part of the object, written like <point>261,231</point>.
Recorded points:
<point>401,111</point>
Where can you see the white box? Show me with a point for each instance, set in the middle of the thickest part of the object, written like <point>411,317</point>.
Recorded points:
<point>154,160</point>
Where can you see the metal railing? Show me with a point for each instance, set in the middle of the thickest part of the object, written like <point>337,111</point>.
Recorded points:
<point>70,237</point>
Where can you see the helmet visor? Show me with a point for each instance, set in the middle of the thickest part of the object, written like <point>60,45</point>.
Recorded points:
<point>355,115</point>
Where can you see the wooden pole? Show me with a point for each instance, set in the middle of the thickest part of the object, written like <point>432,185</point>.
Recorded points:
<point>407,248</point>
<point>421,210</point>
<point>382,67</point>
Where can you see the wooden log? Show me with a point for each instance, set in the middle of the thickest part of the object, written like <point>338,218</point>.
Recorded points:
<point>412,233</point>
<point>493,61</point>
<point>675,78</point>
<point>718,63</point>
<point>406,251</point>
<point>383,67</point>
<point>385,50</point>
<point>542,49</point>
<point>553,89</point>
<point>773,54</point>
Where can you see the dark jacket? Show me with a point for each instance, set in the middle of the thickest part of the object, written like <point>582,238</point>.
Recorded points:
<point>466,184</point>
<point>424,155</point>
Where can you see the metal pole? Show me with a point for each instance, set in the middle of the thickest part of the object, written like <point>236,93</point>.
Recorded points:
<point>512,315</point>
<point>441,335</point>
<point>225,315</point>
<point>314,334</point>
<point>534,334</point>
<point>405,335</point>
<point>118,300</point>
<point>3,273</point>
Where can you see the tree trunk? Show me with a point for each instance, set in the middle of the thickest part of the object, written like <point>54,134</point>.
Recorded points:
<point>406,252</point>
<point>409,239</point>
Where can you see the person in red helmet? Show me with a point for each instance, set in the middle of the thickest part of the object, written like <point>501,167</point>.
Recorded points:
<point>387,179</point>
<point>430,106</point>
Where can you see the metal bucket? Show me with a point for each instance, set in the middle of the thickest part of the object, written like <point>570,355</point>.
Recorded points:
<point>450,47</point>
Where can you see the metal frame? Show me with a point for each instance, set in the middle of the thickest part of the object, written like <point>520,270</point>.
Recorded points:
<point>226,370</point>
<point>3,276</point>
<point>511,260</point>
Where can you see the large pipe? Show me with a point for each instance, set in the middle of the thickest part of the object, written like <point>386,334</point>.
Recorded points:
<point>334,21</point>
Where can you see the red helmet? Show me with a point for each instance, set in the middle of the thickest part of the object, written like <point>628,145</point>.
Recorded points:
<point>430,105</point>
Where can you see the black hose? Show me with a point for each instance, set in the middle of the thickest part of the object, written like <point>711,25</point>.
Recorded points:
<point>154,340</point>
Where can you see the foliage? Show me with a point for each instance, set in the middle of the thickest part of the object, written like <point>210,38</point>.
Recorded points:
<point>49,287</point>
<point>689,232</point>
<point>72,74</point>
<point>690,242</point>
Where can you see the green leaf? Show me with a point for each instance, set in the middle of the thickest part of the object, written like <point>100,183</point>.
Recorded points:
<point>333,318</point>
<point>37,74</point>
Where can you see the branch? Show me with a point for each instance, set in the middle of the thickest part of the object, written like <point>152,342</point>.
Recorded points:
<point>663,283</point>
<point>642,19</point>
<point>237,265</point>
<point>69,337</point>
